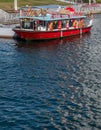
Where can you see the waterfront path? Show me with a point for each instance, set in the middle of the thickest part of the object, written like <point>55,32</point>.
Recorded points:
<point>6,32</point>
<point>84,7</point>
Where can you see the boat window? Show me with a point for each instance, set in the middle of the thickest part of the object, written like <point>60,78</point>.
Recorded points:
<point>70,23</point>
<point>63,23</point>
<point>55,25</point>
<point>43,23</point>
<point>27,24</point>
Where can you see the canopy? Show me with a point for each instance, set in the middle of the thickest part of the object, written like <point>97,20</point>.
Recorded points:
<point>48,18</point>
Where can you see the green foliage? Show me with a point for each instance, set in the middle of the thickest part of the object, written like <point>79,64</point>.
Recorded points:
<point>9,4</point>
<point>6,0</point>
<point>98,1</point>
<point>87,1</point>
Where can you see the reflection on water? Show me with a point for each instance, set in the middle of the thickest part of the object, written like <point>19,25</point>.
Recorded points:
<point>51,85</point>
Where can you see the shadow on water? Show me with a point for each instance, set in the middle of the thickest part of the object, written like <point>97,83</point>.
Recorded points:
<point>48,43</point>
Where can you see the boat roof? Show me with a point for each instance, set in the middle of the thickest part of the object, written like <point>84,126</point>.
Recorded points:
<point>48,18</point>
<point>53,13</point>
<point>50,6</point>
<point>43,7</point>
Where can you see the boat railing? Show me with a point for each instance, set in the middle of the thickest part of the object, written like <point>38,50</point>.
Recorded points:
<point>44,29</point>
<point>8,18</point>
<point>30,12</point>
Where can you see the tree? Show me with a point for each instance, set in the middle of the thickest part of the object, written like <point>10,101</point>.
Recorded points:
<point>87,1</point>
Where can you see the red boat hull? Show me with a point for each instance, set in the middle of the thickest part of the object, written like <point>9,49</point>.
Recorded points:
<point>43,35</point>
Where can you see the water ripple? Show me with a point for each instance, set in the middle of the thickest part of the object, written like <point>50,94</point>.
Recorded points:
<point>51,86</point>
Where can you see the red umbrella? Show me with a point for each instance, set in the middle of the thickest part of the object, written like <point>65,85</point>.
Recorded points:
<point>70,9</point>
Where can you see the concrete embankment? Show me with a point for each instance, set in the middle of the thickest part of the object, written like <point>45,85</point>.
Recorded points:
<point>7,22</point>
<point>6,32</point>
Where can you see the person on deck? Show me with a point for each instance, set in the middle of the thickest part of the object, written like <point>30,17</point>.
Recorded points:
<point>70,23</point>
<point>75,23</point>
<point>80,23</point>
<point>59,25</point>
<point>50,26</point>
<point>67,24</point>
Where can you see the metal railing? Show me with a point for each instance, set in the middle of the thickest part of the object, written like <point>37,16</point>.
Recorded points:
<point>8,17</point>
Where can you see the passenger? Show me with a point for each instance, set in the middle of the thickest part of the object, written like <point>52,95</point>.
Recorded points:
<point>80,23</point>
<point>55,25</point>
<point>67,25</point>
<point>75,23</point>
<point>70,23</point>
<point>59,25</point>
<point>63,24</point>
<point>50,26</point>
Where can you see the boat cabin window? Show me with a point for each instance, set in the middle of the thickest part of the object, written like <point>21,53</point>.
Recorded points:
<point>42,23</point>
<point>27,24</point>
<point>38,25</point>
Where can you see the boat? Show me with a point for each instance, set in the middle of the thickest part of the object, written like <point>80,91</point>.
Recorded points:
<point>38,23</point>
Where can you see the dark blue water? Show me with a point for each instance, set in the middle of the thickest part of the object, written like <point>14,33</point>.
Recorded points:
<point>52,85</point>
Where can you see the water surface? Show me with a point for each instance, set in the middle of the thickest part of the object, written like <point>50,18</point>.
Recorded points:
<point>52,85</point>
